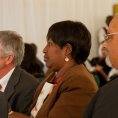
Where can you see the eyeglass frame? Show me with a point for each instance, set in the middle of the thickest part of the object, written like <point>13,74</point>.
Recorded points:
<point>106,37</point>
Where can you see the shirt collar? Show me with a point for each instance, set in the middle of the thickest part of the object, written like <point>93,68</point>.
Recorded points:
<point>4,80</point>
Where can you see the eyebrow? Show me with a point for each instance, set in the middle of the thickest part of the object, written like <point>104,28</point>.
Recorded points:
<point>49,41</point>
<point>112,33</point>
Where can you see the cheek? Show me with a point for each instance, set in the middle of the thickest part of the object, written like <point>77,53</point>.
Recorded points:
<point>112,47</point>
<point>113,53</point>
<point>57,56</point>
<point>2,64</point>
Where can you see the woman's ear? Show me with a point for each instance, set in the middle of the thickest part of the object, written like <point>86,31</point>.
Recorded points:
<point>68,49</point>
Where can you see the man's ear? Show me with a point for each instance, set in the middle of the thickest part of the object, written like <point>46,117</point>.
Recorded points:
<point>9,59</point>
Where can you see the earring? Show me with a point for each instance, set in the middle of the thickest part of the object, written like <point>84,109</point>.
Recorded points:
<point>66,59</point>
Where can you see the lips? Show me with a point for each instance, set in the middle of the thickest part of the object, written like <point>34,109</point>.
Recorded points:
<point>45,58</point>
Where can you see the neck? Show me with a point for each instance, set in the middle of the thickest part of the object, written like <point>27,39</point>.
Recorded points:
<point>67,65</point>
<point>5,70</point>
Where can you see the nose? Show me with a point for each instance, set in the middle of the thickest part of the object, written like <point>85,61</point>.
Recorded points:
<point>105,47</point>
<point>45,49</point>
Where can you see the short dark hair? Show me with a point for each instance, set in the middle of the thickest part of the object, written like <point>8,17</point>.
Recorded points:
<point>76,34</point>
<point>108,20</point>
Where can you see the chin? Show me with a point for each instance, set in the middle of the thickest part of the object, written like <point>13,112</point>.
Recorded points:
<point>48,65</point>
<point>53,68</point>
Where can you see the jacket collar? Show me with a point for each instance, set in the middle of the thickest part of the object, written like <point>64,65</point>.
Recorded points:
<point>14,79</point>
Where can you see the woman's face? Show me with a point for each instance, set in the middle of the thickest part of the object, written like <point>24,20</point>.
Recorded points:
<point>54,56</point>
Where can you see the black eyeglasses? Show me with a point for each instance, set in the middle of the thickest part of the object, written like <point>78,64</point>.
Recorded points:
<point>109,36</point>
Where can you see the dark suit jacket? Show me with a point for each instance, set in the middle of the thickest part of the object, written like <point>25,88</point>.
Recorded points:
<point>20,90</point>
<point>105,102</point>
<point>3,106</point>
<point>70,97</point>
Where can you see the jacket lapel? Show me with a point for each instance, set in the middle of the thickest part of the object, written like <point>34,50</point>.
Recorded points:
<point>14,79</point>
<point>49,79</point>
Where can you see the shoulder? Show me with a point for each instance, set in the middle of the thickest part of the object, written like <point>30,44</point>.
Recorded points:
<point>80,73</point>
<point>108,92</point>
<point>79,76</point>
<point>110,86</point>
<point>104,104</point>
<point>25,77</point>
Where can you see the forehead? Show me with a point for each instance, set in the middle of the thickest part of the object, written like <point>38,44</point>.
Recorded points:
<point>49,40</point>
<point>113,27</point>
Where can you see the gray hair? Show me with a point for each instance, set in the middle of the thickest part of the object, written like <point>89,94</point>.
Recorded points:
<point>12,43</point>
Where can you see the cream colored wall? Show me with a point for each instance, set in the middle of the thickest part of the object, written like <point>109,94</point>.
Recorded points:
<point>32,18</point>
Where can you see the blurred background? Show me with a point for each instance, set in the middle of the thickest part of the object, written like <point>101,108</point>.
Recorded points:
<point>32,18</point>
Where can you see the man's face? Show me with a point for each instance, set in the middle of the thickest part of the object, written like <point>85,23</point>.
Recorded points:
<point>111,43</point>
<point>2,62</point>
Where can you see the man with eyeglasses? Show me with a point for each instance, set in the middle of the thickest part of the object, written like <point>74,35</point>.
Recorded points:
<point>101,33</point>
<point>105,102</point>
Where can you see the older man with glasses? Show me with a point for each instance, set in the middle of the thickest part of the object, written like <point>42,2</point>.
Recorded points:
<point>105,102</point>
